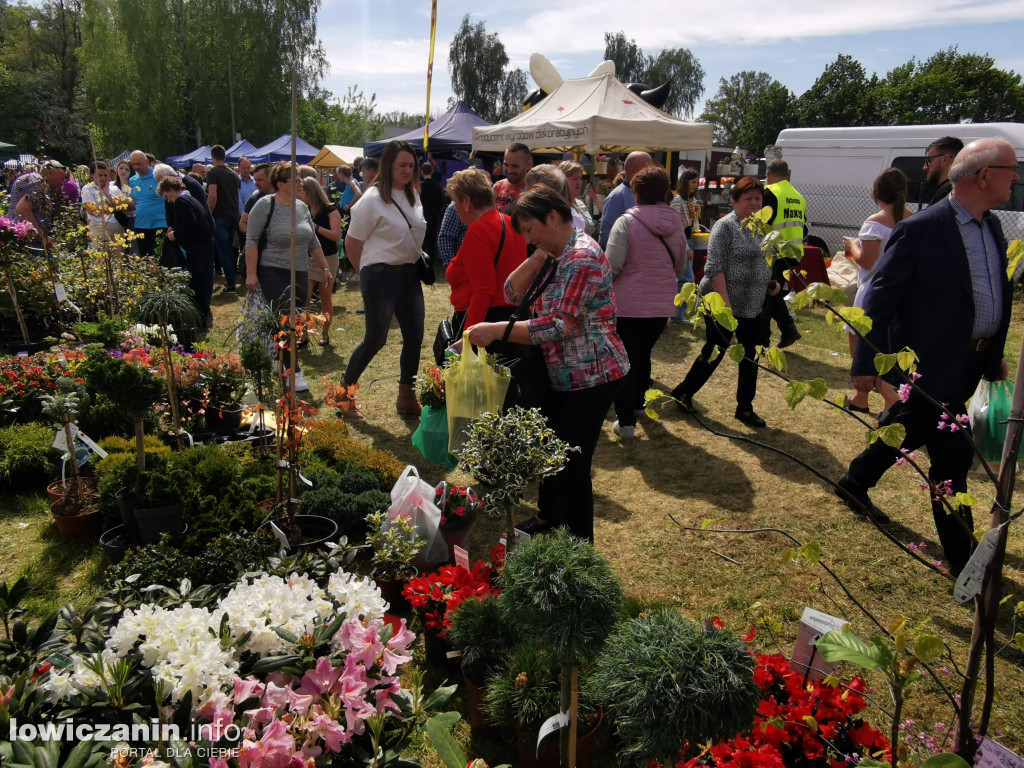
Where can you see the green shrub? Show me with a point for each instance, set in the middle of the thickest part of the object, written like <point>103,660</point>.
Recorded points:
<point>357,479</point>
<point>105,331</point>
<point>329,440</point>
<point>480,630</point>
<point>27,459</point>
<point>669,681</point>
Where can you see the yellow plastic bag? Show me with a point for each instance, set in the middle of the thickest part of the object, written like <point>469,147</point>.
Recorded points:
<point>472,387</point>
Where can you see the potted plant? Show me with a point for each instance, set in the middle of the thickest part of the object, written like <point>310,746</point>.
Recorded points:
<point>14,235</point>
<point>562,592</point>
<point>258,367</point>
<point>395,545</point>
<point>437,596</point>
<point>669,682</point>
<point>431,437</point>
<point>224,384</point>
<point>157,498</point>
<point>525,692</point>
<point>751,165</point>
<point>73,505</point>
<point>506,452</point>
<point>130,386</point>
<point>459,509</point>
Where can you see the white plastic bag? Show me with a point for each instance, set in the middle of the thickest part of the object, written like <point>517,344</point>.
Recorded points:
<point>978,414</point>
<point>414,498</point>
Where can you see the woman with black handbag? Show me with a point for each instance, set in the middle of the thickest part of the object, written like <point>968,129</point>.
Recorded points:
<point>490,252</point>
<point>572,321</point>
<point>384,245</point>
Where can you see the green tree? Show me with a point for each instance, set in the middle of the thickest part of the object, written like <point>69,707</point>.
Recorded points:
<point>478,61</point>
<point>356,120</point>
<point>41,87</point>
<point>951,87</point>
<point>675,65</point>
<point>842,95</point>
<point>770,113</point>
<point>732,103</point>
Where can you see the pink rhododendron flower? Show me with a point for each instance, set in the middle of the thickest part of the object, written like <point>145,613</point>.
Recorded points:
<point>247,689</point>
<point>321,678</point>
<point>331,731</point>
<point>275,695</point>
<point>275,748</point>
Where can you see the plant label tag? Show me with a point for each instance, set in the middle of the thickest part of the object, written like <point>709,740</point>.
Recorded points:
<point>59,660</point>
<point>305,479</point>
<point>995,755</point>
<point>969,582</point>
<point>281,538</point>
<point>89,442</point>
<point>61,294</point>
<point>522,537</point>
<point>552,724</point>
<point>60,441</point>
<point>806,661</point>
<point>461,558</point>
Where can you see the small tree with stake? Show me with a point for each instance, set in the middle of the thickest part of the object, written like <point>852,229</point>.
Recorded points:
<point>129,386</point>
<point>62,409</point>
<point>562,592</point>
<point>506,452</point>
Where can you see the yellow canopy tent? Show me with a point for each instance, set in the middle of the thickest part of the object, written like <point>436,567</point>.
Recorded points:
<point>335,154</point>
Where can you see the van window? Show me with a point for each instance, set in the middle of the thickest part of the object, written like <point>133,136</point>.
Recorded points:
<point>1016,201</point>
<point>913,166</point>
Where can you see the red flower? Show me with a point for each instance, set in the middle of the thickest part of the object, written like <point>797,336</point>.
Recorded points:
<point>749,637</point>
<point>717,623</point>
<point>438,595</point>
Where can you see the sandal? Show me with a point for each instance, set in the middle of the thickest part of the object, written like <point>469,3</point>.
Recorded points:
<point>325,342</point>
<point>848,405</point>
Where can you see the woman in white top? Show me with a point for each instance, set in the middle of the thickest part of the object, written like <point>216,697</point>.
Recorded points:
<point>574,175</point>
<point>383,244</point>
<point>865,250</point>
<point>100,199</point>
<point>551,176</point>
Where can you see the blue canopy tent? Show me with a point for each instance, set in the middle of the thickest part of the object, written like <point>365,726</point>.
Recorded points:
<point>200,155</point>
<point>238,150</point>
<point>281,149</point>
<point>451,132</point>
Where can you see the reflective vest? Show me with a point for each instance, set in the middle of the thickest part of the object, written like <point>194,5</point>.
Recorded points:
<point>790,211</point>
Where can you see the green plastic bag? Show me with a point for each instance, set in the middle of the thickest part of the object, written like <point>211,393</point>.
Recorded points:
<point>431,437</point>
<point>1000,398</point>
<point>472,387</point>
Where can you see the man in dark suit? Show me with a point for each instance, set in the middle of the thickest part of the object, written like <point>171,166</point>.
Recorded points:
<point>941,290</point>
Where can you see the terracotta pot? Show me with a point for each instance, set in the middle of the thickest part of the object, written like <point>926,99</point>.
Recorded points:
<point>478,719</point>
<point>57,490</point>
<point>81,527</point>
<point>548,756</point>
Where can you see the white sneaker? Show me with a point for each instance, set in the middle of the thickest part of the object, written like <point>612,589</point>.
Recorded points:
<point>300,382</point>
<point>623,431</point>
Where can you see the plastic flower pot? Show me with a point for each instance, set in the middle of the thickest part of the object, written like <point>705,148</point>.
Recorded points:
<point>456,539</point>
<point>115,542</point>
<point>223,417</point>
<point>157,520</point>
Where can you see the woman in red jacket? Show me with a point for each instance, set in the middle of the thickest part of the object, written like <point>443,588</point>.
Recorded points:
<point>490,252</point>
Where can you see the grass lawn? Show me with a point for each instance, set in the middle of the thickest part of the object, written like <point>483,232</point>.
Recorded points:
<point>677,475</point>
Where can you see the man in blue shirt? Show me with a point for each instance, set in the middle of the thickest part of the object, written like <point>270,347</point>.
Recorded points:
<point>621,199</point>
<point>149,206</point>
<point>247,184</point>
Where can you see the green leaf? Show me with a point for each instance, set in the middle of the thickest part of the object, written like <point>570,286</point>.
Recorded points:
<point>872,436</point>
<point>843,645</point>
<point>684,294</point>
<point>735,353</point>
<point>884,363</point>
<point>800,301</point>
<point>928,647</point>
<point>439,697</point>
<point>945,760</point>
<point>965,500</point>
<point>1006,599</point>
<point>715,352</point>
<point>1019,640</point>
<point>447,747</point>
<point>787,555</point>
<point>892,435</point>
<point>714,305</point>
<point>796,391</point>
<point>1014,254</point>
<point>777,358</point>
<point>867,762</point>
<point>821,292</point>
<point>811,552</point>
<point>818,388</point>
<point>811,722</point>
<point>907,360</point>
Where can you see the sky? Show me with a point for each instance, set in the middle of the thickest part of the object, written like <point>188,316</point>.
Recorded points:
<point>382,46</point>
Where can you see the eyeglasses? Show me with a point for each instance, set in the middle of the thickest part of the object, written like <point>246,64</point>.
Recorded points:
<point>928,158</point>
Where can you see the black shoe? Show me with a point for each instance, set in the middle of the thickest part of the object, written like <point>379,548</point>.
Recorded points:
<point>684,402</point>
<point>533,526</point>
<point>849,405</point>
<point>859,502</point>
<point>751,419</point>
<point>789,337</point>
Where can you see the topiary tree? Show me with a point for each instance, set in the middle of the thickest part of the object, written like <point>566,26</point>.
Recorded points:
<point>131,387</point>
<point>506,452</point>
<point>671,682</point>
<point>562,592</point>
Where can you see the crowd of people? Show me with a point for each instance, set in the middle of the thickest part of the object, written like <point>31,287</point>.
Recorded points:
<point>571,284</point>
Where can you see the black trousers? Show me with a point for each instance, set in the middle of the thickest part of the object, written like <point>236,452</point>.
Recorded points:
<point>776,305</point>
<point>639,335</point>
<point>567,498</point>
<point>750,332</point>
<point>147,243</point>
<point>950,458</point>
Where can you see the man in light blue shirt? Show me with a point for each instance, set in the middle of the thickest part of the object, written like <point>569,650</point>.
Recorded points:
<point>149,206</point>
<point>621,198</point>
<point>247,182</point>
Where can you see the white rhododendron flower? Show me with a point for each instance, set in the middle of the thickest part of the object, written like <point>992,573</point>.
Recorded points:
<point>359,597</point>
<point>294,604</point>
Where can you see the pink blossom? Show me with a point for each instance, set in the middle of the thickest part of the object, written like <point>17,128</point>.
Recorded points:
<point>274,749</point>
<point>216,762</point>
<point>320,679</point>
<point>299,703</point>
<point>247,689</point>
<point>904,392</point>
<point>260,715</point>
<point>220,713</point>
<point>361,642</point>
<point>383,694</point>
<point>275,695</point>
<point>942,425</point>
<point>331,731</point>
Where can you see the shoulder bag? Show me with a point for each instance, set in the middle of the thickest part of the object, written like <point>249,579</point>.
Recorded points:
<point>530,387</point>
<point>261,243</point>
<point>424,269</point>
<point>446,334</point>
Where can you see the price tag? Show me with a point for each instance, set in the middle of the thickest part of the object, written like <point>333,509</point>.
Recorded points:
<point>813,625</point>
<point>995,755</point>
<point>61,294</point>
<point>969,582</point>
<point>552,724</point>
<point>59,660</point>
<point>461,558</point>
<point>60,441</point>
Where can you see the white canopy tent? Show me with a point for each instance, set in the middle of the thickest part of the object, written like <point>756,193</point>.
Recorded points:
<point>594,114</point>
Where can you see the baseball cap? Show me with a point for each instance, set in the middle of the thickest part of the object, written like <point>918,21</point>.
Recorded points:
<point>52,165</point>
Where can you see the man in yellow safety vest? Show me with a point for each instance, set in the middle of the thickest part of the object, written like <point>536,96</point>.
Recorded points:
<point>789,216</point>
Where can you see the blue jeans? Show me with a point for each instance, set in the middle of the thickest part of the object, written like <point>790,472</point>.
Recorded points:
<point>389,291</point>
<point>223,236</point>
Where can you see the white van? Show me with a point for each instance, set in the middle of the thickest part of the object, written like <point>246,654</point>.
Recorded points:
<point>834,169</point>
